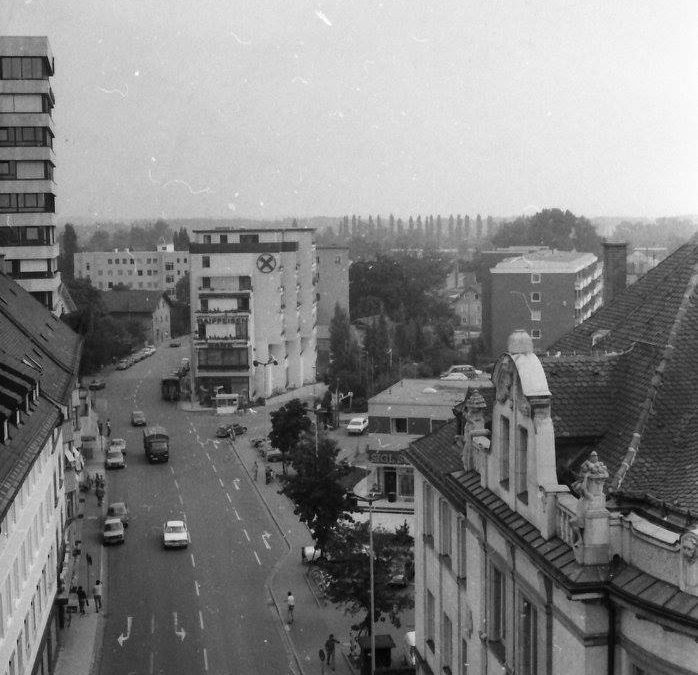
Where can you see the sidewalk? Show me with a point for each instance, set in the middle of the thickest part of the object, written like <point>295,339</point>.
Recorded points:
<point>81,639</point>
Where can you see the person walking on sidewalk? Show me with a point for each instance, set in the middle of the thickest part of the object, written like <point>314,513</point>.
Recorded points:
<point>329,649</point>
<point>82,600</point>
<point>291,604</point>
<point>97,595</point>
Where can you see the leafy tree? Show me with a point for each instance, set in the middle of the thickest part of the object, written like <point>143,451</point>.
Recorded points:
<point>68,245</point>
<point>100,241</point>
<point>344,367</point>
<point>314,487</point>
<point>181,239</point>
<point>287,424</point>
<point>348,564</point>
<point>182,290</point>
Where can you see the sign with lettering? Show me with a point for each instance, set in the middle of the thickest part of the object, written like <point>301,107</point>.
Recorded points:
<point>387,457</point>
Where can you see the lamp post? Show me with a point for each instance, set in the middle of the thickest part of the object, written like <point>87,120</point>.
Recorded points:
<point>370,498</point>
<point>271,361</point>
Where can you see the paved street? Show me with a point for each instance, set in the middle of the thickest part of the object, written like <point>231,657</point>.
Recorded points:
<point>202,609</point>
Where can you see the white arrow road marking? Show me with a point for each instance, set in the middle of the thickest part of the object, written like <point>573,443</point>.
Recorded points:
<point>179,630</point>
<point>265,539</point>
<point>122,638</point>
<point>236,483</point>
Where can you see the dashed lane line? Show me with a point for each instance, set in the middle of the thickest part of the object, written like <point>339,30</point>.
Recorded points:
<point>237,515</point>
<point>205,659</point>
<point>247,536</point>
<point>230,501</point>
<point>221,482</point>
<point>201,619</point>
<point>193,562</point>
<point>213,466</point>
<point>176,485</point>
<point>259,562</point>
<point>196,588</point>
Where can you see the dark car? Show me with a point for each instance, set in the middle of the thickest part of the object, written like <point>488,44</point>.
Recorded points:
<point>97,384</point>
<point>138,418</point>
<point>175,343</point>
<point>227,430</point>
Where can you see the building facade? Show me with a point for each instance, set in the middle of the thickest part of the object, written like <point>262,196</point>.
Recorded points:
<point>158,270</point>
<point>27,189</point>
<point>149,308</point>
<point>253,299</point>
<point>39,417</point>
<point>545,293</point>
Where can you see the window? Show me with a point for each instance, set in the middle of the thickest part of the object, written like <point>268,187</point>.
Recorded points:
<point>504,452</point>
<point>497,612</point>
<point>535,278</point>
<point>536,334</point>
<point>249,239</point>
<point>169,267</point>
<point>447,641</point>
<point>5,171</point>
<point>207,239</point>
<point>535,297</point>
<point>245,283</point>
<point>428,510</point>
<point>462,569</point>
<point>431,621</point>
<point>445,529</point>
<point>399,425</point>
<point>522,464</point>
<point>109,261</point>
<point>206,261</point>
<point>527,658</point>
<point>205,282</point>
<point>535,315</point>
<point>22,68</point>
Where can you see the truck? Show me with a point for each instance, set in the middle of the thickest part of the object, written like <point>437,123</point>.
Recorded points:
<point>156,443</point>
<point>170,387</point>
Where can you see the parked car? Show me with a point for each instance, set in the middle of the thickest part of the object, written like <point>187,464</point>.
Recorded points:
<point>175,343</point>
<point>97,384</point>
<point>226,430</point>
<point>113,531</point>
<point>118,444</point>
<point>138,418</point>
<point>115,459</point>
<point>357,425</point>
<point>465,369</point>
<point>118,510</point>
<point>175,534</point>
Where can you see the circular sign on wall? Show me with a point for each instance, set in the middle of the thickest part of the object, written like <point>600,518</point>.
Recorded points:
<point>266,263</point>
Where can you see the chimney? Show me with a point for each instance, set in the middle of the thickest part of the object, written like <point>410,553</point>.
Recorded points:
<point>615,275</point>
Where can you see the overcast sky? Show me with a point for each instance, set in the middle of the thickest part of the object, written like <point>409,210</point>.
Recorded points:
<point>270,108</point>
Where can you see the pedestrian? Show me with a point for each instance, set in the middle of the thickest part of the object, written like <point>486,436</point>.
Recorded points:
<point>82,600</point>
<point>329,648</point>
<point>108,428</point>
<point>291,604</point>
<point>97,595</point>
<point>256,470</point>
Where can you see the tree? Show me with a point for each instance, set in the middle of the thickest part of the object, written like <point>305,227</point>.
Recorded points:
<point>181,239</point>
<point>182,291</point>
<point>347,563</point>
<point>100,241</point>
<point>314,487</point>
<point>287,425</point>
<point>68,245</point>
<point>344,354</point>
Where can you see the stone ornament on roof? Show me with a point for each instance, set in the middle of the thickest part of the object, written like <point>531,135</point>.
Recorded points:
<point>689,562</point>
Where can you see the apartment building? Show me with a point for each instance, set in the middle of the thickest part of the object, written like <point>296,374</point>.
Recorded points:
<point>39,409</point>
<point>27,189</point>
<point>253,311</point>
<point>158,270</point>
<point>545,292</point>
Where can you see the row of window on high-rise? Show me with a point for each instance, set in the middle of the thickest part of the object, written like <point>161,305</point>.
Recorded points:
<point>26,170</point>
<point>27,202</point>
<point>26,137</point>
<point>25,103</point>
<point>23,68</point>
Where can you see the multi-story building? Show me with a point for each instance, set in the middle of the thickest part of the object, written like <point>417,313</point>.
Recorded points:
<point>545,293</point>
<point>332,289</point>
<point>158,270</point>
<point>27,188</point>
<point>151,309</point>
<point>556,530</point>
<point>39,416</point>
<point>253,311</point>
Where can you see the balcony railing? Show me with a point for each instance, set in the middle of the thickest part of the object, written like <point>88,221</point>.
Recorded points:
<point>565,516</point>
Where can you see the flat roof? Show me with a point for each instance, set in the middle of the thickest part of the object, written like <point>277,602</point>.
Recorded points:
<point>256,230</point>
<point>429,391</point>
<point>547,261</point>
<point>26,45</point>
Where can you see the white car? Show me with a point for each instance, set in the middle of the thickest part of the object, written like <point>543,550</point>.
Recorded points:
<point>113,531</point>
<point>175,534</point>
<point>357,425</point>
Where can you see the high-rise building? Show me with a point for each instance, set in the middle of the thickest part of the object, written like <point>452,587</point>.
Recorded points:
<point>253,311</point>
<point>27,189</point>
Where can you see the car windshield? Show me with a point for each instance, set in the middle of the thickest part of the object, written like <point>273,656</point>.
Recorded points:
<point>174,529</point>
<point>114,454</point>
<point>112,527</point>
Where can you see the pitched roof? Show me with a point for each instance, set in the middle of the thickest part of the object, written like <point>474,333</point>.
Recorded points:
<point>646,409</point>
<point>132,301</point>
<point>30,334</point>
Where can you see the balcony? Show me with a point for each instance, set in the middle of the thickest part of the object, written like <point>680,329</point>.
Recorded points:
<point>221,315</point>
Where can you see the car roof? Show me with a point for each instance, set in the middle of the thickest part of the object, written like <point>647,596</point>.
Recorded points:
<point>137,412</point>
<point>174,523</point>
<point>117,505</point>
<point>113,521</point>
<point>357,419</point>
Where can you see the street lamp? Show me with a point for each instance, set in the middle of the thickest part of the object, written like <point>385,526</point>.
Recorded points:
<point>370,498</point>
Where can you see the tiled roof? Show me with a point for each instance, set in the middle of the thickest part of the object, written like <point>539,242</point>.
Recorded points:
<point>134,302</point>
<point>651,440</point>
<point>31,334</point>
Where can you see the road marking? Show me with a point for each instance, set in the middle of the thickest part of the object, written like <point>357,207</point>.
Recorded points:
<point>205,659</point>
<point>193,562</point>
<point>237,515</point>
<point>172,469</point>
<point>221,482</point>
<point>247,536</point>
<point>265,539</point>
<point>176,484</point>
<point>151,663</point>
<point>152,624</point>
<point>201,619</point>
<point>179,630</point>
<point>236,483</point>
<point>196,587</point>
<point>229,499</point>
<point>209,456</point>
<point>181,501</point>
<point>259,562</point>
<point>213,466</point>
<point>122,638</point>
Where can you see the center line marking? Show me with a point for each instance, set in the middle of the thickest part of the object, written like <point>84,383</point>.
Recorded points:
<point>196,587</point>
<point>221,482</point>
<point>181,501</point>
<point>228,496</point>
<point>201,620</point>
<point>209,456</point>
<point>213,466</point>
<point>176,484</point>
<point>237,515</point>
<point>193,562</point>
<point>205,659</point>
<point>259,562</point>
<point>152,623</point>
<point>151,662</point>
<point>247,536</point>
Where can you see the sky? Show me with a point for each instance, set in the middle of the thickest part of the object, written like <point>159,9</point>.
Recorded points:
<point>287,108</point>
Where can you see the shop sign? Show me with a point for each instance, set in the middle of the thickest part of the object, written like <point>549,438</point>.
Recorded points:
<point>386,457</point>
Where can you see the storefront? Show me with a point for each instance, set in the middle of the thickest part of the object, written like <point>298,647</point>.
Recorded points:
<point>393,474</point>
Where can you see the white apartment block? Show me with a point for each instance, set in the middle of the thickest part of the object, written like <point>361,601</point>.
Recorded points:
<point>158,270</point>
<point>253,298</point>
<point>27,188</point>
